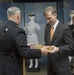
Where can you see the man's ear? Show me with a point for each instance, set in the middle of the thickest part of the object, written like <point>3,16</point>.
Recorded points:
<point>55,14</point>
<point>18,17</point>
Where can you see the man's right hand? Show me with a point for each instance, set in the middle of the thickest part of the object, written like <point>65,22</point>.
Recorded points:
<point>44,50</point>
<point>32,46</point>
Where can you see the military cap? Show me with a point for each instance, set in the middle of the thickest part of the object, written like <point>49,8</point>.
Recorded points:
<point>31,14</point>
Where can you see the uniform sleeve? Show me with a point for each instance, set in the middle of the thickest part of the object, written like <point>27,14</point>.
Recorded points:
<point>24,50</point>
<point>37,26</point>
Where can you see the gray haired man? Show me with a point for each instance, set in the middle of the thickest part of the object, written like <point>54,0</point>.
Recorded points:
<point>13,45</point>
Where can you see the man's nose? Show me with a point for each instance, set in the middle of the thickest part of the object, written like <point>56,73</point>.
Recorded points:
<point>48,21</point>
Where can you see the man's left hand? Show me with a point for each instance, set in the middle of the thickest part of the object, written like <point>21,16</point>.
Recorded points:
<point>55,49</point>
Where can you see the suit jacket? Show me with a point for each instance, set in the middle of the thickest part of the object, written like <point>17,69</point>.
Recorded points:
<point>14,40</point>
<point>72,30</point>
<point>63,39</point>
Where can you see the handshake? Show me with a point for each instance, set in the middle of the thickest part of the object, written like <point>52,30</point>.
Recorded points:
<point>44,49</point>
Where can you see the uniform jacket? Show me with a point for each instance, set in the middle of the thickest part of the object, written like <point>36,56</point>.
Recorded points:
<point>14,40</point>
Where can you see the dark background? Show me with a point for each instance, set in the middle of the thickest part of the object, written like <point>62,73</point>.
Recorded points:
<point>24,1</point>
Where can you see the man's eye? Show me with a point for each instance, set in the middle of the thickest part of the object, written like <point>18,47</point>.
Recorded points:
<point>48,18</point>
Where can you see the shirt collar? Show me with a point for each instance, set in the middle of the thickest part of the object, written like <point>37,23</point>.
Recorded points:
<point>55,25</point>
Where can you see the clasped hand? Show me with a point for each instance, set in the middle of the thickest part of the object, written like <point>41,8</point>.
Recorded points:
<point>44,50</point>
<point>55,49</point>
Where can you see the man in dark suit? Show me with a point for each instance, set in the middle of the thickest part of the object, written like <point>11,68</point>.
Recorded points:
<point>72,53</point>
<point>62,41</point>
<point>72,26</point>
<point>72,30</point>
<point>13,45</point>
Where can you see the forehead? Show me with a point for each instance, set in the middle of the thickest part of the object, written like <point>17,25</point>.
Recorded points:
<point>48,14</point>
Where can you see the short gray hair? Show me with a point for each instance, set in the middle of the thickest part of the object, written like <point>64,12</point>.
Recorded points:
<point>50,8</point>
<point>13,10</point>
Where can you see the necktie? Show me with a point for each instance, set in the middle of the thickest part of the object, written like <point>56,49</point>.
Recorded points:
<point>51,33</point>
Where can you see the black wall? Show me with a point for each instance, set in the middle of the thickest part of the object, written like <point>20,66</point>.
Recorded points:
<point>24,1</point>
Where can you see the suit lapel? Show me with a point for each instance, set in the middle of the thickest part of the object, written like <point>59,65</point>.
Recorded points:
<point>48,33</point>
<point>56,32</point>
